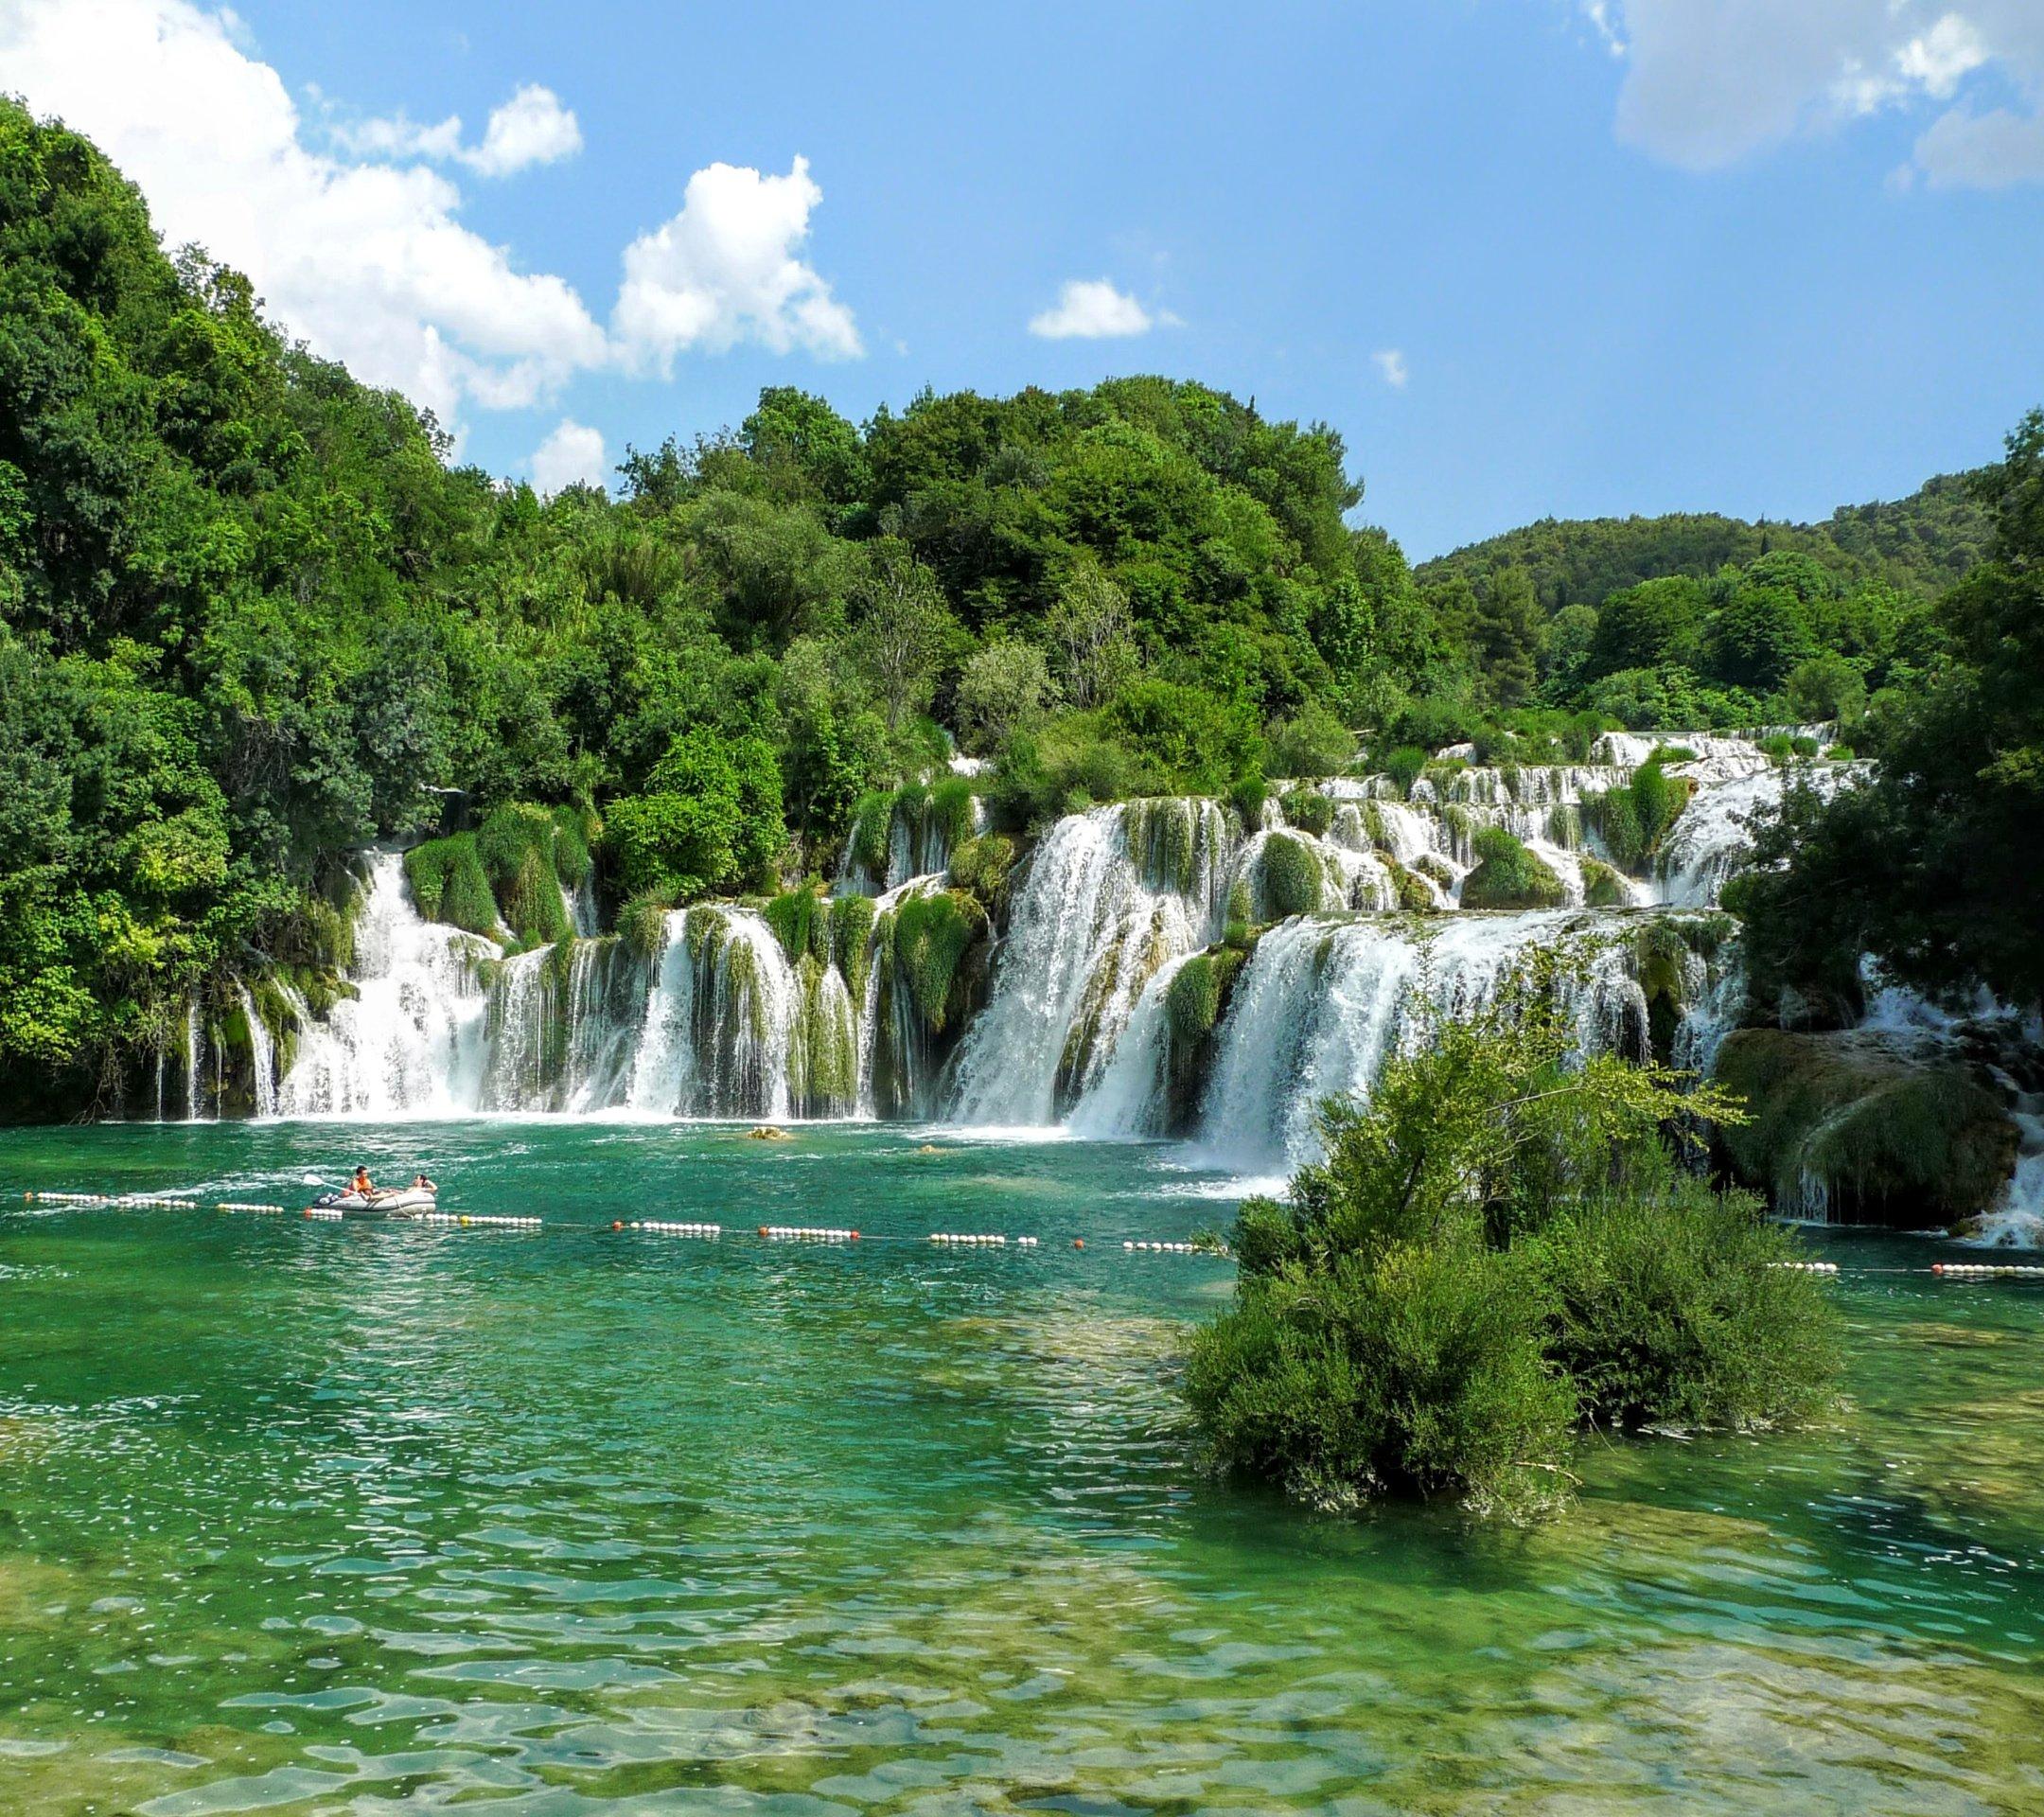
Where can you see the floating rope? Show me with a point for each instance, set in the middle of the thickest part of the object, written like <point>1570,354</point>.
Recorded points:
<point>804,1233</point>
<point>1806,1267</point>
<point>667,1228</point>
<point>1985,1271</point>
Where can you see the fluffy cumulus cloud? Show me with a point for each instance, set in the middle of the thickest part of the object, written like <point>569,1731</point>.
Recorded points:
<point>351,229</point>
<point>1390,364</point>
<point>366,260</point>
<point>1091,309</point>
<point>531,128</point>
<point>1709,83</point>
<point>729,268</point>
<point>571,455</point>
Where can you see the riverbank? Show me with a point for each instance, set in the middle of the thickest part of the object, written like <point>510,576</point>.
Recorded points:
<point>305,1514</point>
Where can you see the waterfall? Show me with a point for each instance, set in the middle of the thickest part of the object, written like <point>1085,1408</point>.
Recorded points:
<point>1322,1004</point>
<point>731,1029</point>
<point>1111,896</point>
<point>412,1038</point>
<point>262,1054</point>
<point>194,1088</point>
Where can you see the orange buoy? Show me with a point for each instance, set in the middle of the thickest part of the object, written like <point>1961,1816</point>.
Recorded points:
<point>1078,1242</point>
<point>854,1236</point>
<point>617,1224</point>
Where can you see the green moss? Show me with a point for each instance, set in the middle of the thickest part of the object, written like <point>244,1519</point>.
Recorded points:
<point>516,845</point>
<point>1435,869</point>
<point>1632,821</point>
<point>1509,876</point>
<point>1373,826</point>
<point>823,1049</point>
<point>1887,1137</point>
<point>982,865</point>
<point>449,885</point>
<point>1603,887</point>
<point>851,926</point>
<point>1309,811</point>
<point>1291,877</point>
<point>801,922</point>
<point>1411,896</point>
<point>1246,795</point>
<point>1162,836</point>
<point>643,924</point>
<point>1193,1004</point>
<point>866,841</point>
<point>931,935</point>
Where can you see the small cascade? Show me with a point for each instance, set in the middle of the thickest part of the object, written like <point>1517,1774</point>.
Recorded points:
<point>262,1054</point>
<point>194,1058</point>
<point>732,1030</point>
<point>412,1038</point>
<point>1111,896</point>
<point>1323,1003</point>
<point>1713,833</point>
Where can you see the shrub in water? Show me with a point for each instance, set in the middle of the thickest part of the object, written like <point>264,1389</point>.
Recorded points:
<point>981,866</point>
<point>1404,766</point>
<point>851,923</point>
<point>801,922</point>
<point>1494,1243</point>
<point>1507,876</point>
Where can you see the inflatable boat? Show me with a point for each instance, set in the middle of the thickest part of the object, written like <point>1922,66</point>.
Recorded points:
<point>398,1202</point>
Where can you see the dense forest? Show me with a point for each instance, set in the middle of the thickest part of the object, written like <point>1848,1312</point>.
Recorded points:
<point>252,620</point>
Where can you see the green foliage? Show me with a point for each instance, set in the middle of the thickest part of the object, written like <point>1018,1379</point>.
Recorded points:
<point>950,811</point>
<point>980,866</point>
<point>449,884</point>
<point>1403,766</point>
<point>800,920</point>
<point>1309,811</point>
<point>932,934</point>
<point>1192,1000</point>
<point>1310,744</point>
<point>872,821</point>
<point>1474,1265</point>
<point>1673,1308</point>
<point>1246,795</point>
<point>516,845</point>
<point>1291,877</point>
<point>851,928</point>
<point>1603,887</point>
<point>1634,819</point>
<point>642,924</point>
<point>1509,876</point>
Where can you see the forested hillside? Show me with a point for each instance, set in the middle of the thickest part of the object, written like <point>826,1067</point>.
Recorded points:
<point>251,621</point>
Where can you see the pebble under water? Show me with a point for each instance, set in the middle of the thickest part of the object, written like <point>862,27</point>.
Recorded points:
<point>318,1517</point>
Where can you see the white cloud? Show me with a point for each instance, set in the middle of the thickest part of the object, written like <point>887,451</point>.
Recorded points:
<point>531,128</point>
<point>366,260</point>
<point>1987,150</point>
<point>1709,83</point>
<point>1090,309</point>
<point>726,270</point>
<point>572,453</point>
<point>1390,364</point>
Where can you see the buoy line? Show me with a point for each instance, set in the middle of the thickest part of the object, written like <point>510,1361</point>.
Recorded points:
<point>841,1234</point>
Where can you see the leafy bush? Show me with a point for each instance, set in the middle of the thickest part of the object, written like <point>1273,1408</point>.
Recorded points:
<point>1247,794</point>
<point>642,924</point>
<point>1672,1308</point>
<point>1603,887</point>
<point>1635,818</point>
<point>851,923</point>
<point>1311,744</point>
<point>1309,811</point>
<point>1193,1002</point>
<point>872,820</point>
<point>981,866</point>
<point>950,811</point>
<point>801,922</point>
<point>516,845</point>
<point>1495,1245</point>
<point>449,885</point>
<point>1291,876</point>
<point>1404,766</point>
<point>1509,876</point>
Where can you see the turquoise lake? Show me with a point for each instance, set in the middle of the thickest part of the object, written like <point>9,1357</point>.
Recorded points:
<point>316,1517</point>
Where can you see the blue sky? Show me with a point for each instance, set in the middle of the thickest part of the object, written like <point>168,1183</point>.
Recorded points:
<point>1529,256</point>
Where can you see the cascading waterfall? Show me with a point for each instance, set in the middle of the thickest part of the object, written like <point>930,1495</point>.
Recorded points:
<point>1110,898</point>
<point>262,1054</point>
<point>719,1021</point>
<point>194,1085</point>
<point>412,1038</point>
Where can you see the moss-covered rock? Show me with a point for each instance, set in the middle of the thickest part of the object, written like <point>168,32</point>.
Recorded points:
<point>931,935</point>
<point>1510,876</point>
<point>1857,1129</point>
<point>1603,887</point>
<point>851,930</point>
<point>801,922</point>
<point>981,867</point>
<point>1292,875</point>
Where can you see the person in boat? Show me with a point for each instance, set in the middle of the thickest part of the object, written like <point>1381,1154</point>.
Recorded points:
<point>424,1185</point>
<point>361,1184</point>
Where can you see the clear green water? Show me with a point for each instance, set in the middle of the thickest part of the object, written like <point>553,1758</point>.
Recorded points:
<point>350,1518</point>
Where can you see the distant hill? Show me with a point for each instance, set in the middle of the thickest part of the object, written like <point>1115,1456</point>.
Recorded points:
<point>1919,544</point>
